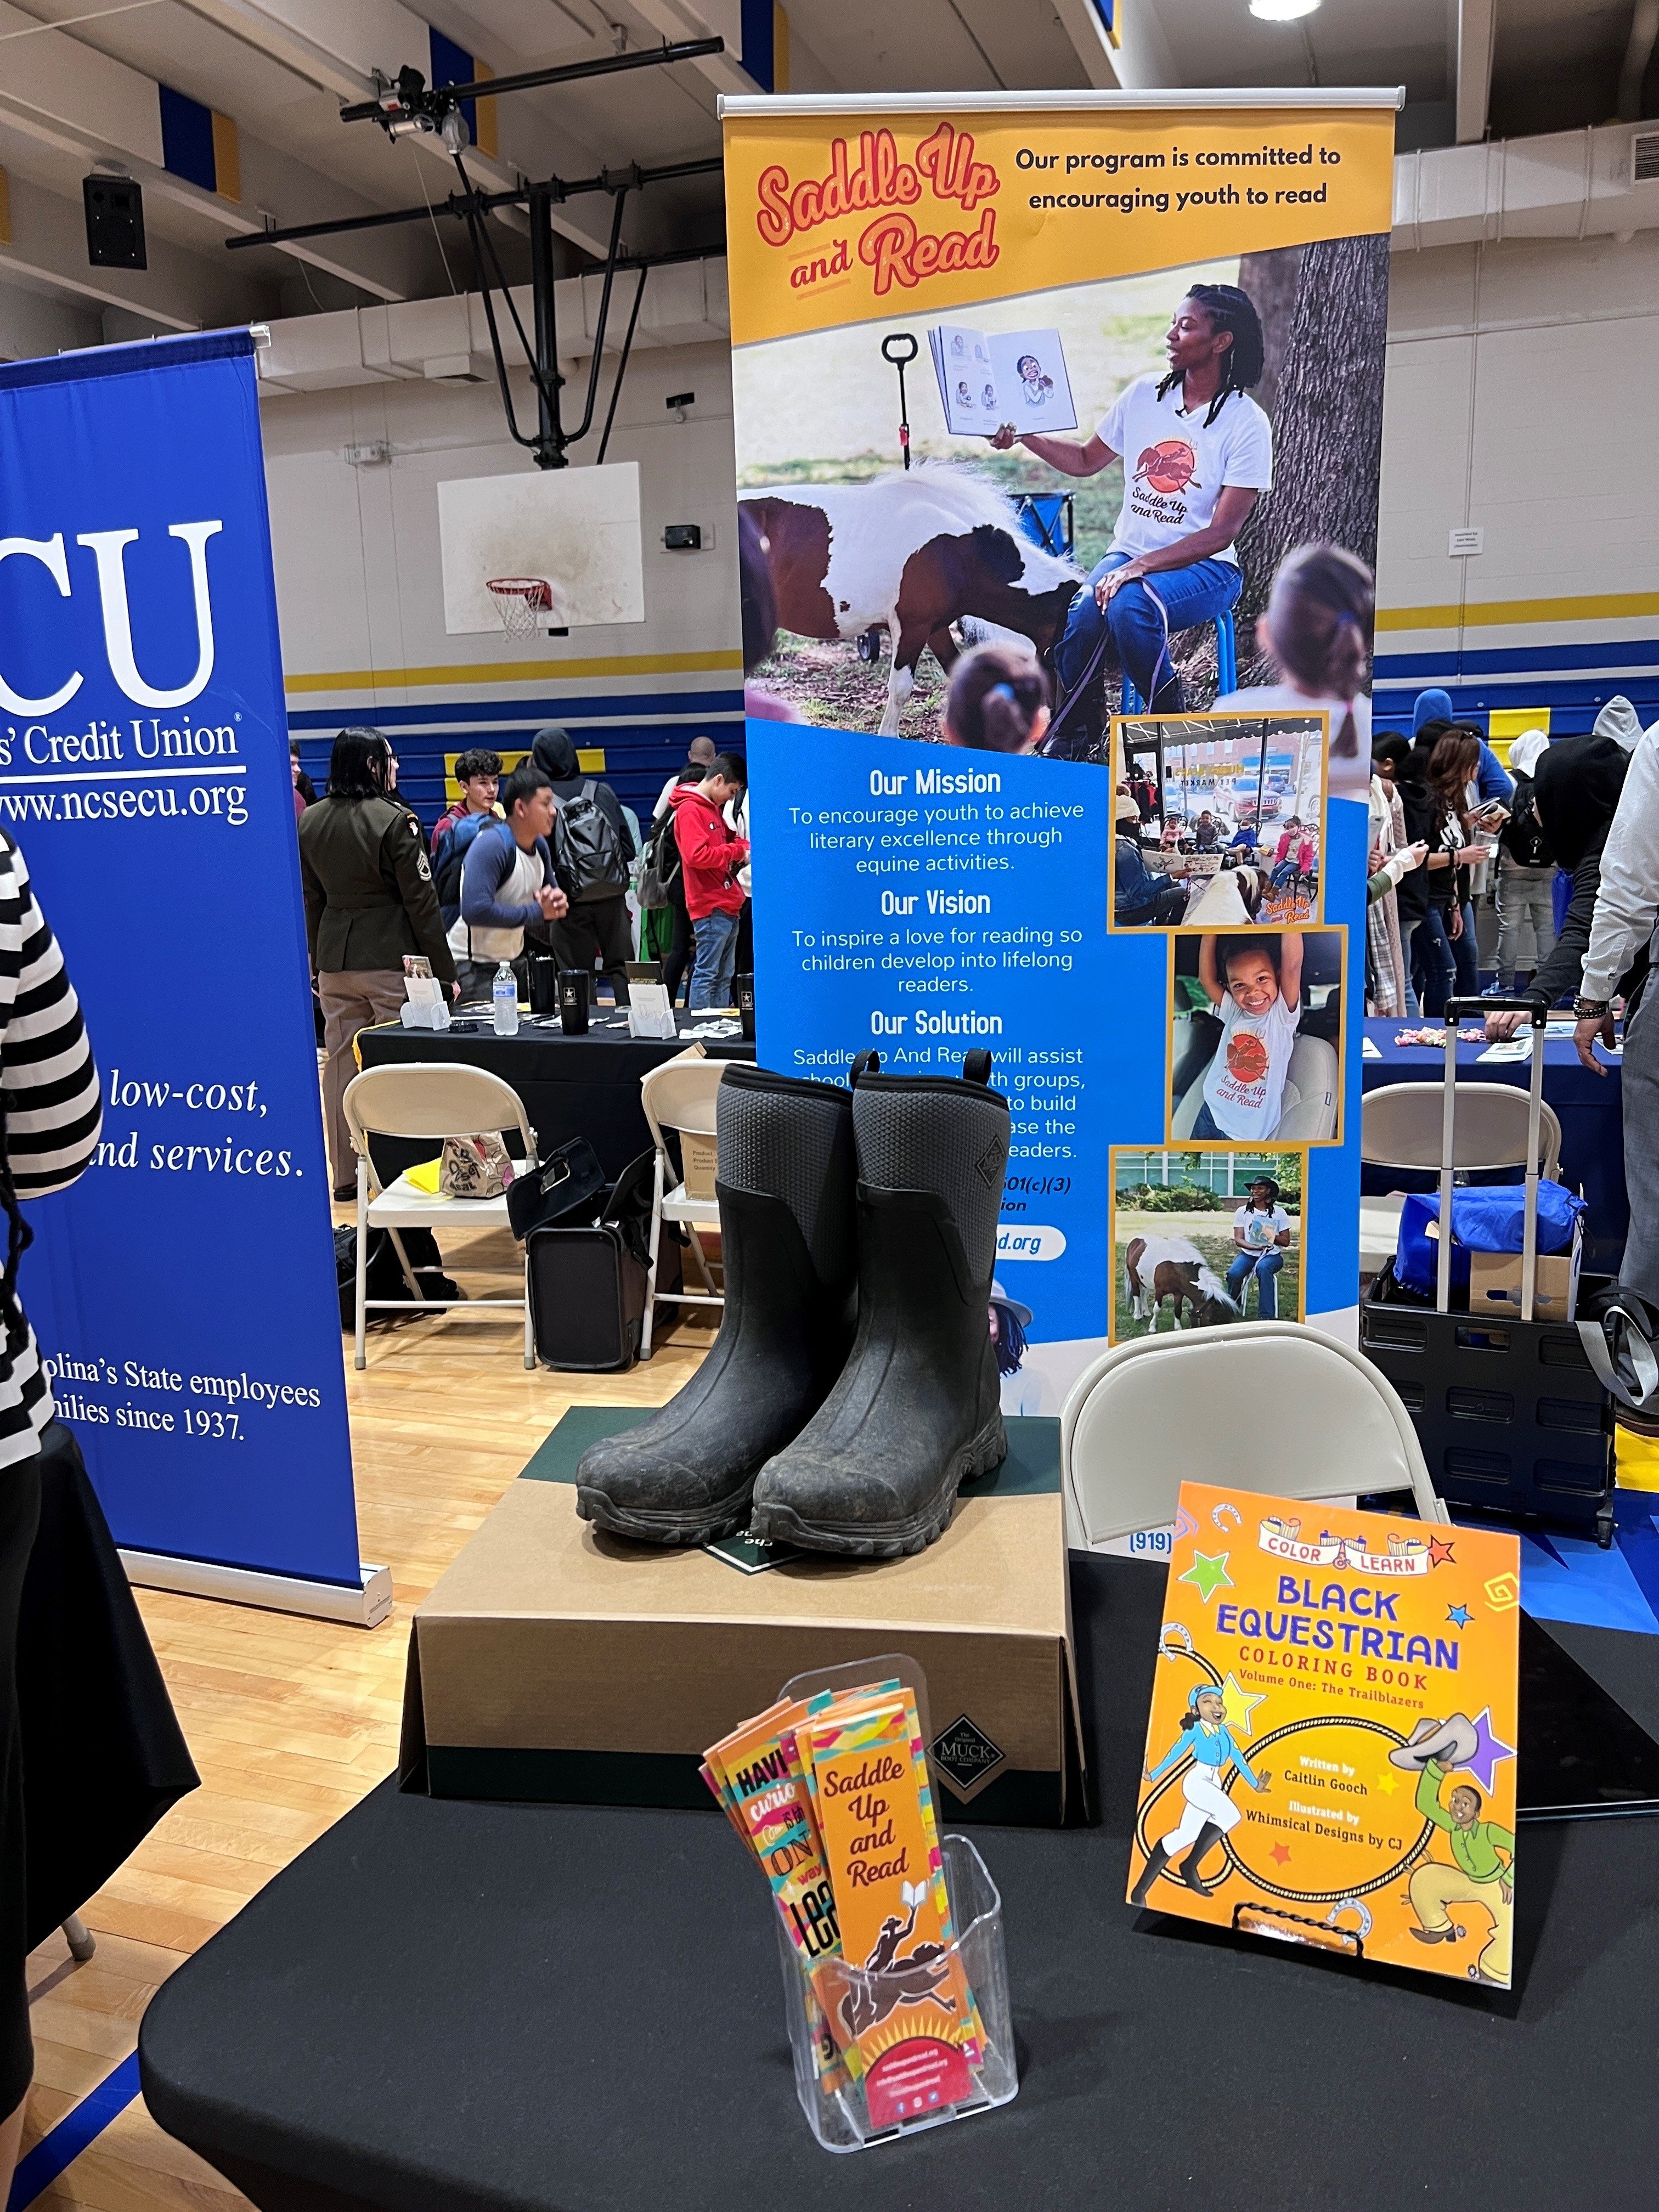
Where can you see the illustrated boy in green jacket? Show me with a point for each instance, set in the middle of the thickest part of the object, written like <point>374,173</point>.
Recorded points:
<point>1482,1873</point>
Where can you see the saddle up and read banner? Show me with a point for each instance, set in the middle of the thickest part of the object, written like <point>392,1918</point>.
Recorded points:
<point>1107,334</point>
<point>182,1291</point>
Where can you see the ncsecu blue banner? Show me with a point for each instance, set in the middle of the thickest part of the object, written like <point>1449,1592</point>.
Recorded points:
<point>183,1289</point>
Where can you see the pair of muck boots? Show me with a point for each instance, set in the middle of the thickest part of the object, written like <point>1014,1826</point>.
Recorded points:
<point>853,1386</point>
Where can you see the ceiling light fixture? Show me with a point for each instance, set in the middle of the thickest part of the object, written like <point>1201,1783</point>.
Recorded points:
<point>1282,11</point>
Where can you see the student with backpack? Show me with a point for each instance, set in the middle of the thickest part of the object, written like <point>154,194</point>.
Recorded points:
<point>665,925</point>
<point>478,773</point>
<point>592,846</point>
<point>711,853</point>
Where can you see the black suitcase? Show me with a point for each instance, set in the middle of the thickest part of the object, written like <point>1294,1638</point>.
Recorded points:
<point>586,1298</point>
<point>1510,1413</point>
<point>588,1279</point>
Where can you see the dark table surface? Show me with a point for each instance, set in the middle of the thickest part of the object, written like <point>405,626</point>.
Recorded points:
<point>1588,1106</point>
<point>571,1086</point>
<point>483,2006</point>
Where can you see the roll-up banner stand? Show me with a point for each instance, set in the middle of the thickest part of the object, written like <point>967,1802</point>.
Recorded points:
<point>183,1290</point>
<point>1100,374</point>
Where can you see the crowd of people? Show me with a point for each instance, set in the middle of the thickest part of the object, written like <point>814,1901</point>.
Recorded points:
<point>546,859</point>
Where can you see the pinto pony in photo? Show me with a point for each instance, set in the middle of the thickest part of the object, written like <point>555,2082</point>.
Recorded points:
<point>909,554</point>
<point>1156,1268</point>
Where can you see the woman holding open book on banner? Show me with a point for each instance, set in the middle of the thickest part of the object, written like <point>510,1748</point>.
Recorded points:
<point>1197,452</point>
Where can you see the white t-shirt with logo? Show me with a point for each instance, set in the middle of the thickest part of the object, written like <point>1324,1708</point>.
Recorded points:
<point>1244,1084</point>
<point>1175,467</point>
<point>1261,1231</point>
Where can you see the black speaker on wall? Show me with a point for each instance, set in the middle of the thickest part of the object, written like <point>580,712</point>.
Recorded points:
<point>115,222</point>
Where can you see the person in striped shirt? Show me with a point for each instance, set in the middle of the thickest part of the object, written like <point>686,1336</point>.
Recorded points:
<point>49,1091</point>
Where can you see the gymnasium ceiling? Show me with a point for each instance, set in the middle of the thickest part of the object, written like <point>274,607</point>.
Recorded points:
<point>87,95</point>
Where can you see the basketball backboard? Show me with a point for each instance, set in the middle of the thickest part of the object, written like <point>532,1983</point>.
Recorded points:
<point>576,529</point>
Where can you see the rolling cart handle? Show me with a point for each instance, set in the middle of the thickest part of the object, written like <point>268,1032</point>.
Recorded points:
<point>1537,1010</point>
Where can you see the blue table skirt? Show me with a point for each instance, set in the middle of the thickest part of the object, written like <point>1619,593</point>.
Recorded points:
<point>1587,1106</point>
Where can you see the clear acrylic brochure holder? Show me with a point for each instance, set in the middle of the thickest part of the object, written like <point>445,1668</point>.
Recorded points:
<point>908,2100</point>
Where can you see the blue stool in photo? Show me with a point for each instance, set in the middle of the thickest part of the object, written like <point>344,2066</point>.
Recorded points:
<point>1227,667</point>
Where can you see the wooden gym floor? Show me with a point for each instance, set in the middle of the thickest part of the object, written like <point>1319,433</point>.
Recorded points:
<point>292,1721</point>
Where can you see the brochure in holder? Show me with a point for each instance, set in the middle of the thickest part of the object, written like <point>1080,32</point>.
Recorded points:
<point>649,1013</point>
<point>896,1984</point>
<point>426,1002</point>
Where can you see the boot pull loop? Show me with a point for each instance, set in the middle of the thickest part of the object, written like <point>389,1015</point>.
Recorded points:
<point>976,1067</point>
<point>867,1063</point>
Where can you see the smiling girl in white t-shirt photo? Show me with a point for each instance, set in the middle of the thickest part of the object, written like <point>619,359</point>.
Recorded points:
<point>1254,984</point>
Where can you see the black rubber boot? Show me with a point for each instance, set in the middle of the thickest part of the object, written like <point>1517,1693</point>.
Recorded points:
<point>785,1191</point>
<point>1149,1874</point>
<point>1189,1866</point>
<point>917,1409</point>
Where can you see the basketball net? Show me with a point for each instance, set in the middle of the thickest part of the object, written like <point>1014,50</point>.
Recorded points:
<point>520,600</point>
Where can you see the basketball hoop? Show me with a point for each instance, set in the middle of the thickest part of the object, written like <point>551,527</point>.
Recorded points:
<point>520,600</point>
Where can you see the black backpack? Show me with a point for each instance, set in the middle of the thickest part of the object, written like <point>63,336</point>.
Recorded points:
<point>588,853</point>
<point>660,878</point>
<point>384,1277</point>
<point>1522,837</point>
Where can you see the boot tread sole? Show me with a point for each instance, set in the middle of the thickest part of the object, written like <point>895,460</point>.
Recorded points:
<point>781,1524</point>
<point>669,1525</point>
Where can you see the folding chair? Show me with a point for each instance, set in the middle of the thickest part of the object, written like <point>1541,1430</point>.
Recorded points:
<point>428,1099</point>
<point>679,1094</point>
<point>1403,1127</point>
<point>1149,1414</point>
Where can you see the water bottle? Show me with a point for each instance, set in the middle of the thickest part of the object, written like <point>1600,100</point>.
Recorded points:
<point>507,1001</point>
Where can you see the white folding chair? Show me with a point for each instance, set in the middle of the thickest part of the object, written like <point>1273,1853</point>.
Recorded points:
<point>680,1096</point>
<point>1149,1414</point>
<point>429,1099</point>
<point>1402,1126</point>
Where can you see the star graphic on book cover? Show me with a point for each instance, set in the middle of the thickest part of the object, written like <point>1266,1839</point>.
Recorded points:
<point>1489,1751</point>
<point>1459,1615</point>
<point>1209,1575</point>
<point>1388,1781</point>
<point>1440,1551</point>
<point>1280,1854</point>
<point>1240,1704</point>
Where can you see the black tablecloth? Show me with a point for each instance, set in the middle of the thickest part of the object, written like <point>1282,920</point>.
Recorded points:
<point>571,1086</point>
<point>103,1755</point>
<point>474,2006</point>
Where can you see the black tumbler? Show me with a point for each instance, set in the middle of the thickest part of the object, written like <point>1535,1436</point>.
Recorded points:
<point>543,983</point>
<point>743,993</point>
<point>573,1000</point>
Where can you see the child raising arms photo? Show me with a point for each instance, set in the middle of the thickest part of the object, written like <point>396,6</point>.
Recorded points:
<point>1254,984</point>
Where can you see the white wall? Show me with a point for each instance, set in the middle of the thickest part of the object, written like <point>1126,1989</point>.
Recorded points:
<point>1519,400</point>
<point>359,581</point>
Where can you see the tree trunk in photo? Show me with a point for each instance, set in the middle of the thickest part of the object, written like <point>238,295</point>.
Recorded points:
<point>1270,280</point>
<point>1328,424</point>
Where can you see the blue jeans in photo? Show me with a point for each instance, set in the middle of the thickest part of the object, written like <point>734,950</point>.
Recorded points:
<point>1143,617</point>
<point>716,936</point>
<point>1266,1267</point>
<point>1205,1124</point>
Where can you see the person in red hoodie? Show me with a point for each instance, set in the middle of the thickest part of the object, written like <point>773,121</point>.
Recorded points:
<point>711,853</point>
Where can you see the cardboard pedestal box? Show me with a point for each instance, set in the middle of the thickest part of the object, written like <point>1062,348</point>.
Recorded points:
<point>555,1663</point>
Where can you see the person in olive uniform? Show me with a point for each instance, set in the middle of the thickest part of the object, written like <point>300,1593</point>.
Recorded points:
<point>369,900</point>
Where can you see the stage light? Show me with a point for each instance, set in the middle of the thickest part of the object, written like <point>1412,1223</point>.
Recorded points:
<point>1282,11</point>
